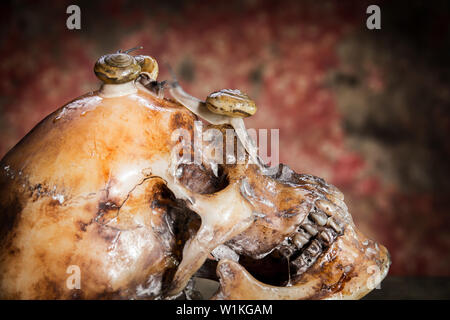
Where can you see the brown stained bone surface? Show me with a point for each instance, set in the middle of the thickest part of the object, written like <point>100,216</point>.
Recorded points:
<point>97,185</point>
<point>82,189</point>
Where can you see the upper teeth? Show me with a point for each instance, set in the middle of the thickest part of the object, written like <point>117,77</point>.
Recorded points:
<point>327,236</point>
<point>319,231</point>
<point>326,206</point>
<point>311,229</point>
<point>300,239</point>
<point>334,224</point>
<point>319,217</point>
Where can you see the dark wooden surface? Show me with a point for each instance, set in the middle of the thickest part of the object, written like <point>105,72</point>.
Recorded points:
<point>426,288</point>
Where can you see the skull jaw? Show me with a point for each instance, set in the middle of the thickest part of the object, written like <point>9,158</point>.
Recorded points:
<point>349,269</point>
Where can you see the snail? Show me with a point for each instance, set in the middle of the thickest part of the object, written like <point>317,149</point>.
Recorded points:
<point>121,67</point>
<point>233,103</point>
<point>223,107</point>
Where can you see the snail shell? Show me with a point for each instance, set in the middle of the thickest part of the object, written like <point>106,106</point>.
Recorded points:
<point>148,65</point>
<point>233,103</point>
<point>117,68</point>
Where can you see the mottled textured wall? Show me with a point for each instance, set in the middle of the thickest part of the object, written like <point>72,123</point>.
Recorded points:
<point>366,110</point>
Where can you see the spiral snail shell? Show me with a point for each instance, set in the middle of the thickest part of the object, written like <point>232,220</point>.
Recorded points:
<point>233,103</point>
<point>120,67</point>
<point>149,66</point>
<point>117,68</point>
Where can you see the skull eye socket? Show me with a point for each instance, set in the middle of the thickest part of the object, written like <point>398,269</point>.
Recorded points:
<point>200,179</point>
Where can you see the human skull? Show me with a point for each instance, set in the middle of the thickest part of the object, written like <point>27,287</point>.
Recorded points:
<point>101,187</point>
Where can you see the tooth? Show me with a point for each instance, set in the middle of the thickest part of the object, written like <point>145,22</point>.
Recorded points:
<point>315,248</point>
<point>334,224</point>
<point>286,251</point>
<point>327,236</point>
<point>303,233</point>
<point>319,217</point>
<point>311,229</point>
<point>300,263</point>
<point>303,262</point>
<point>300,239</point>
<point>326,206</point>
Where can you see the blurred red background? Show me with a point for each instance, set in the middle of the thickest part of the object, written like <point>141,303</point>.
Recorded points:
<point>366,110</point>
